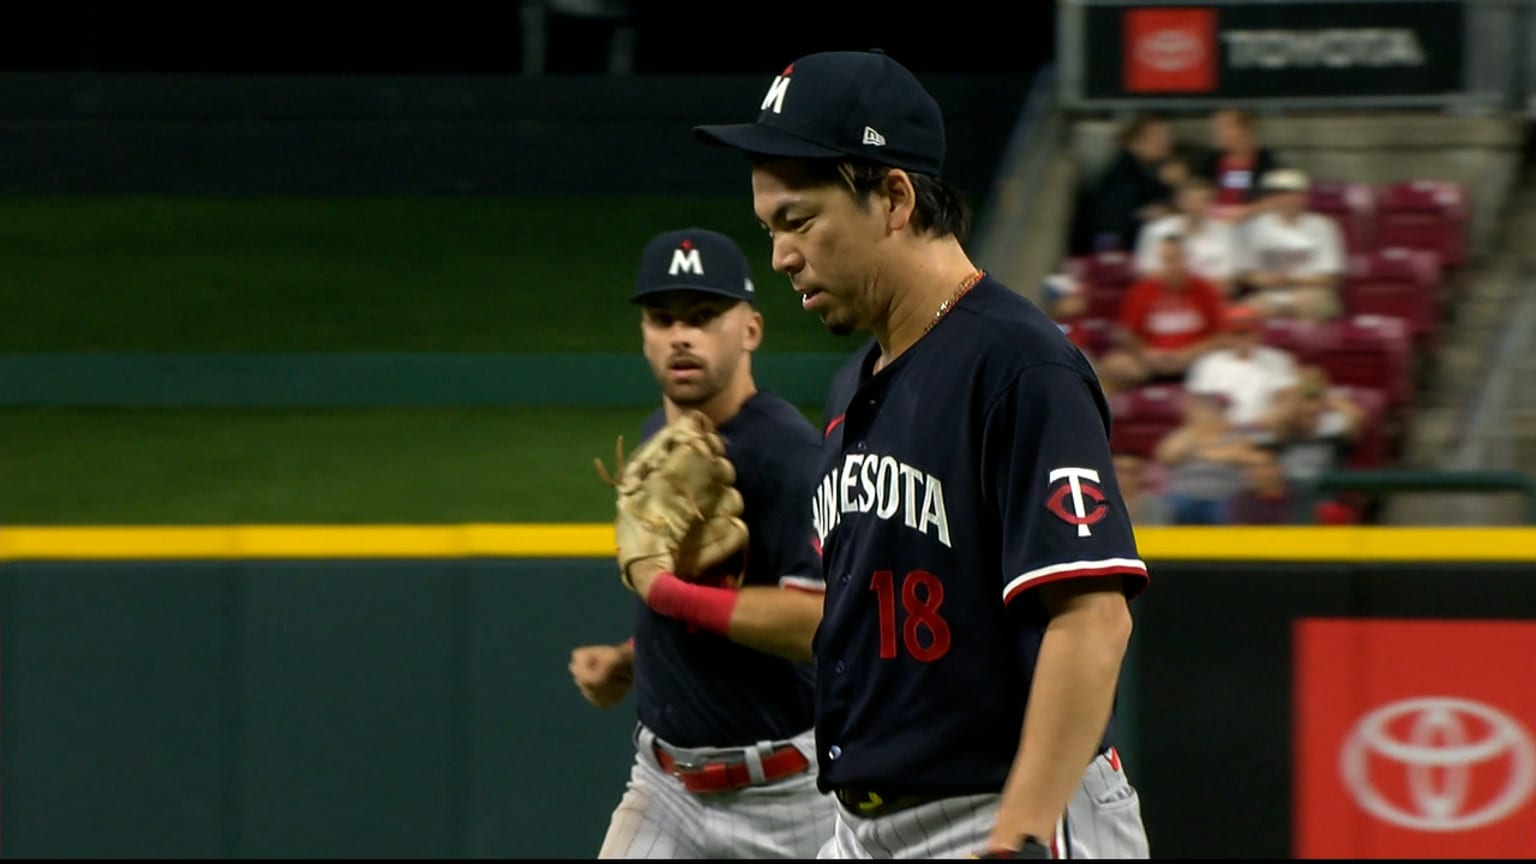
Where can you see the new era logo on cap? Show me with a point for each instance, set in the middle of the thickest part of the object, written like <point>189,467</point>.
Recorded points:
<point>693,259</point>
<point>895,114</point>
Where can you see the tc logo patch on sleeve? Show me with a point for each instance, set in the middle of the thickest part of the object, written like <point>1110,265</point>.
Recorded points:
<point>1075,498</point>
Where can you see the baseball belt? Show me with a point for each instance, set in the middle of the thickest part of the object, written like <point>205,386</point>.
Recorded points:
<point>728,770</point>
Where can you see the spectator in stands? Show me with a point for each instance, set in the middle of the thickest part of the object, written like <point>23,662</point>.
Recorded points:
<point>1235,163</point>
<point>1137,187</point>
<point>1063,300</point>
<point>1210,244</point>
<point>1267,498</point>
<point>1318,428</point>
<point>1256,379</point>
<point>1206,458</point>
<point>1293,260</point>
<point>1166,321</point>
<point>1143,506</point>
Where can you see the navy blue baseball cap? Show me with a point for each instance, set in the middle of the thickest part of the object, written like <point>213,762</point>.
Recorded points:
<point>694,259</point>
<point>839,104</point>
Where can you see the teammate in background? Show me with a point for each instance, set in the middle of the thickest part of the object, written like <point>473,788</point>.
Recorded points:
<point>977,554</point>
<point>725,764</point>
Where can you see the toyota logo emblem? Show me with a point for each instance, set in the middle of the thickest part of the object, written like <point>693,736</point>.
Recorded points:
<point>1442,749</point>
<point>1169,50</point>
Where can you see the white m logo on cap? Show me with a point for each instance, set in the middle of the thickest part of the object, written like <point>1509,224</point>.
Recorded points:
<point>686,261</point>
<point>775,95</point>
<point>873,137</point>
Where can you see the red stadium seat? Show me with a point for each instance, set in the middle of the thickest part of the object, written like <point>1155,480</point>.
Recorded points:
<point>1108,269</point>
<point>1105,277</point>
<point>1376,442</point>
<point>1352,205</point>
<point>1396,282</point>
<point>1141,417</point>
<point>1370,351</point>
<point>1104,302</point>
<point>1424,214</point>
<point>1097,334</point>
<point>1303,339</point>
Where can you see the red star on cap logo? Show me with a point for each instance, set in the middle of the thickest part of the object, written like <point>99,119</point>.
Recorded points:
<point>687,244</point>
<point>788,69</point>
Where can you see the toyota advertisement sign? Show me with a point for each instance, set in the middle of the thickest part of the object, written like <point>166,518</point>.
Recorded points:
<point>1414,739</point>
<point>1268,50</point>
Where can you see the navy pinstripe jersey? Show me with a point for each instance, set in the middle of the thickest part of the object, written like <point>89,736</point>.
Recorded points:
<point>699,689</point>
<point>973,469</point>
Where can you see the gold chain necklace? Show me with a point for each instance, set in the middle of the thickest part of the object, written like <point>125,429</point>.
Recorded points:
<point>966,285</point>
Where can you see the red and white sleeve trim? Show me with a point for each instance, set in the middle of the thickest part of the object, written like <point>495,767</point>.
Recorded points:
<point>1074,570</point>
<point>803,583</point>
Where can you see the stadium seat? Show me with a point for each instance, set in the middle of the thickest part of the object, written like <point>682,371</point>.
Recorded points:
<point>1375,445</point>
<point>1424,214</point>
<point>1303,339</point>
<point>1096,334</point>
<point>1369,351</point>
<point>1396,282</point>
<point>1141,417</point>
<point>1105,277</point>
<point>1353,206</point>
<point>1112,269</point>
<point>1104,303</point>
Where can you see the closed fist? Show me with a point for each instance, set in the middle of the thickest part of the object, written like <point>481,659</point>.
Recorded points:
<point>603,673</point>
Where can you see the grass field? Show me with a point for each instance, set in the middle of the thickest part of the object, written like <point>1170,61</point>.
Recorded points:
<point>419,274</point>
<point>74,466</point>
<point>333,275</point>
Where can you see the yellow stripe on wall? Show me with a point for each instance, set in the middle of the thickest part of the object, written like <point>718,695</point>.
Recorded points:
<point>1288,543</point>
<point>305,541</point>
<point>1309,543</point>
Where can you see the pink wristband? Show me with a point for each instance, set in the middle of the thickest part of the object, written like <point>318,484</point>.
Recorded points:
<point>703,606</point>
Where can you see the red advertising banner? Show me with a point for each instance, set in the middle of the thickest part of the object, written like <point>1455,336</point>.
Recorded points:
<point>1170,50</point>
<point>1414,739</point>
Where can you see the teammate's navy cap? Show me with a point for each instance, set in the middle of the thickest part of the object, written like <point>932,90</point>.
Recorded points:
<point>694,259</point>
<point>843,103</point>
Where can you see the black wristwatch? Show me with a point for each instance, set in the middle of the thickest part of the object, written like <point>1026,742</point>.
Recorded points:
<point>1030,847</point>
<point>1033,847</point>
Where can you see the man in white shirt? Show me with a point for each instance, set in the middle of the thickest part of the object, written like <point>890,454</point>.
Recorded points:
<point>1292,260</point>
<point>1259,381</point>
<point>1210,244</point>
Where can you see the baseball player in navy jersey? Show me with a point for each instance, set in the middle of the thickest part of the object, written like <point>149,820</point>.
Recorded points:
<point>977,555</point>
<point>725,755</point>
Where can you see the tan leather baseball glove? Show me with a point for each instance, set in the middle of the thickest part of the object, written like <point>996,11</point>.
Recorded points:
<point>677,502</point>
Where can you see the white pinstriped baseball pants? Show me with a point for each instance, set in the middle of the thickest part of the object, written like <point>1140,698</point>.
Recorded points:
<point>1103,821</point>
